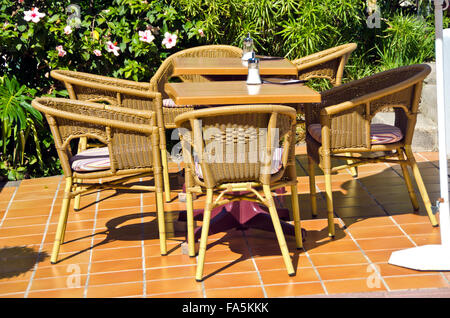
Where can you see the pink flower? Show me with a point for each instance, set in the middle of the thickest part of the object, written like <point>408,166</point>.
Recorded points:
<point>169,40</point>
<point>33,15</point>
<point>112,47</point>
<point>61,51</point>
<point>68,30</point>
<point>146,36</point>
<point>200,31</point>
<point>97,52</point>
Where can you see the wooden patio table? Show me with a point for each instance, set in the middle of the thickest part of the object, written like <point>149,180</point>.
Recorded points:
<point>240,214</point>
<point>231,66</point>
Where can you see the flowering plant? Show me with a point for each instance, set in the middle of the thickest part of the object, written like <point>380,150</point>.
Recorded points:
<point>123,38</point>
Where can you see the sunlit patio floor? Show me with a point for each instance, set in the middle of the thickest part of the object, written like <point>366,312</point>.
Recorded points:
<point>112,247</point>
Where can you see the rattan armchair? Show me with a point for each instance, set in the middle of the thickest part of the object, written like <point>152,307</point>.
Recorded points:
<point>132,152</point>
<point>119,92</point>
<point>165,72</point>
<point>328,64</point>
<point>340,127</point>
<point>235,161</point>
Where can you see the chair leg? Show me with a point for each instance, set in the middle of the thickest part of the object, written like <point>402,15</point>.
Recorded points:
<point>77,198</point>
<point>353,170</point>
<point>59,237</point>
<point>296,214</point>
<point>329,197</point>
<point>278,231</point>
<point>165,167</point>
<point>407,177</point>
<point>421,185</point>
<point>190,224</point>
<point>312,186</point>
<point>204,236</point>
<point>161,223</point>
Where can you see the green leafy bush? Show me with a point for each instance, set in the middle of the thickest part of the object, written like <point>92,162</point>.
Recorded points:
<point>22,133</point>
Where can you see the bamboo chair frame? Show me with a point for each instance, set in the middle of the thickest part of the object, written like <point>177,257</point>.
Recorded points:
<point>239,175</point>
<point>132,138</point>
<point>345,114</point>
<point>165,73</point>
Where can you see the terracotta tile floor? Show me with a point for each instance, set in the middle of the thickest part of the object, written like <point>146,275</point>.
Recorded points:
<point>112,249</point>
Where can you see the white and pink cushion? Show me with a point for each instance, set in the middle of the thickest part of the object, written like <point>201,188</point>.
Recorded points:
<point>168,102</point>
<point>94,159</point>
<point>379,133</point>
<point>276,163</point>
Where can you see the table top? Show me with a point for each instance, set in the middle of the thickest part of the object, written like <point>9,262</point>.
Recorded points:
<point>230,66</point>
<point>238,92</point>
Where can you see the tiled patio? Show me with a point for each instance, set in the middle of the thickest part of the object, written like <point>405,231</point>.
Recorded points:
<point>373,213</point>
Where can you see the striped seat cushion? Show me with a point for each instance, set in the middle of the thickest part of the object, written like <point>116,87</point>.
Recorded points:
<point>276,163</point>
<point>94,159</point>
<point>379,133</point>
<point>168,102</point>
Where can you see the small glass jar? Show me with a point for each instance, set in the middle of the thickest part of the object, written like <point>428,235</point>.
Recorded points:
<point>247,48</point>
<point>253,76</point>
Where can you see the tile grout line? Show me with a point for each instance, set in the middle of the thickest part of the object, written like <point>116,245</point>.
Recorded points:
<point>255,265</point>
<point>144,284</point>
<point>432,163</point>
<point>30,283</point>
<point>371,264</point>
<point>9,205</point>
<point>86,285</point>
<point>348,232</point>
<point>317,273</point>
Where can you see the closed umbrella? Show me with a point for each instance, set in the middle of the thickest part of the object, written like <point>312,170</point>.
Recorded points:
<point>436,256</point>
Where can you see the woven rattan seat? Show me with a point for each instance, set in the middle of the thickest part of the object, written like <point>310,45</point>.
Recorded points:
<point>229,142</point>
<point>345,114</point>
<point>132,138</point>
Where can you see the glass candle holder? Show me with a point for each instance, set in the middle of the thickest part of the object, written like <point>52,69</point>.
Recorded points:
<point>247,48</point>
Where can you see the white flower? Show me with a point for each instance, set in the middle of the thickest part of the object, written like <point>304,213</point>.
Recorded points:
<point>169,40</point>
<point>60,50</point>
<point>200,31</point>
<point>68,29</point>
<point>97,52</point>
<point>33,15</point>
<point>146,36</point>
<point>112,47</point>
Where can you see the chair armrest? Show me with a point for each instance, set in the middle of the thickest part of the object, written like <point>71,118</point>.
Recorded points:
<point>98,114</point>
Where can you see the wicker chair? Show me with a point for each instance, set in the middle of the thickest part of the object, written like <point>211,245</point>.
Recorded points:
<point>340,127</point>
<point>238,136</point>
<point>165,71</point>
<point>119,92</point>
<point>328,64</point>
<point>132,152</point>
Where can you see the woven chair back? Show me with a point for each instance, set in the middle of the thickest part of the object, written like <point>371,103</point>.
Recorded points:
<point>235,144</point>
